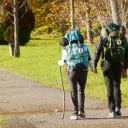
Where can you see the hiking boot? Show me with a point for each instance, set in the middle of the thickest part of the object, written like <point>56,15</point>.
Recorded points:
<point>74,117</point>
<point>81,115</point>
<point>111,114</point>
<point>118,112</point>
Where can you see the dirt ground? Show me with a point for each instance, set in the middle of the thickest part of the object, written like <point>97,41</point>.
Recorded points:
<point>26,104</point>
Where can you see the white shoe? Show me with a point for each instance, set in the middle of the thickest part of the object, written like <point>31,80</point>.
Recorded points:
<point>81,115</point>
<point>74,117</point>
<point>111,115</point>
<point>117,112</point>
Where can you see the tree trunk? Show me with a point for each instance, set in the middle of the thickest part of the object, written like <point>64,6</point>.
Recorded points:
<point>16,31</point>
<point>115,11</point>
<point>89,28</point>
<point>124,10</point>
<point>72,15</point>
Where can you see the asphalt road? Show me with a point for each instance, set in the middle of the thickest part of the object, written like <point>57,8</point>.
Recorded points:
<point>26,104</point>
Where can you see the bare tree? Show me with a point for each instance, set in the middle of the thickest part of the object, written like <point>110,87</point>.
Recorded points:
<point>15,6</point>
<point>1,12</point>
<point>115,11</point>
<point>89,23</point>
<point>72,15</point>
<point>124,14</point>
<point>16,30</point>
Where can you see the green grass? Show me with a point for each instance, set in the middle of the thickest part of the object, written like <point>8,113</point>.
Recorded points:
<point>3,122</point>
<point>39,62</point>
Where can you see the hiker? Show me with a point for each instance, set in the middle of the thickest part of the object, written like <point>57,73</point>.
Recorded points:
<point>111,48</point>
<point>76,55</point>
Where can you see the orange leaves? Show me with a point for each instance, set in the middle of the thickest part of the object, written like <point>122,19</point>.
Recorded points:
<point>7,4</point>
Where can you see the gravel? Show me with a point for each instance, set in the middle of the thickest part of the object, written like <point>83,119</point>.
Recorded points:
<point>27,104</point>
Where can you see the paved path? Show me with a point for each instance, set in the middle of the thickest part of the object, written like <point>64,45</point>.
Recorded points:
<point>26,104</point>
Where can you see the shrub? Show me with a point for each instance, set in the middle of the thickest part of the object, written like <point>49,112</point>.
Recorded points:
<point>26,23</point>
<point>96,28</point>
<point>2,29</point>
<point>44,29</point>
<point>24,36</point>
<point>9,34</point>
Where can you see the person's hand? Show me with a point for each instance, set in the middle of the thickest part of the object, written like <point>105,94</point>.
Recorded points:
<point>92,66</point>
<point>61,63</point>
<point>96,71</point>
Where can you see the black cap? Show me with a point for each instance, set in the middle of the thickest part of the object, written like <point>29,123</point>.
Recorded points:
<point>64,42</point>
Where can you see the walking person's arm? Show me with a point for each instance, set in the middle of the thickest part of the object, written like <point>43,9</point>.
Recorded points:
<point>91,62</point>
<point>98,51</point>
<point>63,59</point>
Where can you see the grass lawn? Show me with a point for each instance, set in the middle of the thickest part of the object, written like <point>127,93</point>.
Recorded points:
<point>39,62</point>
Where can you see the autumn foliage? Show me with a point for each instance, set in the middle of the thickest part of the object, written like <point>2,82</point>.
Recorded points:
<point>53,16</point>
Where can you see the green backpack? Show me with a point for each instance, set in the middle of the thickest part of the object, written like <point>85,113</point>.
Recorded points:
<point>114,44</point>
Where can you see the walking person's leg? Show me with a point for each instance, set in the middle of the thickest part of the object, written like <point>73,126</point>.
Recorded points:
<point>117,90</point>
<point>73,90</point>
<point>108,77</point>
<point>82,77</point>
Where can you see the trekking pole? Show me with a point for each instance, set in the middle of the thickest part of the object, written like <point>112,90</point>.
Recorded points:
<point>63,92</point>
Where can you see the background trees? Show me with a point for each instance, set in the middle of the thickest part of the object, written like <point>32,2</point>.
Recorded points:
<point>53,16</point>
<point>25,21</point>
<point>57,13</point>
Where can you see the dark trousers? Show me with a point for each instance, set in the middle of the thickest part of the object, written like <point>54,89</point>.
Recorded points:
<point>112,79</point>
<point>77,81</point>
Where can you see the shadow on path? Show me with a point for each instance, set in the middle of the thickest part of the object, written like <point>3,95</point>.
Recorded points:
<point>20,123</point>
<point>122,117</point>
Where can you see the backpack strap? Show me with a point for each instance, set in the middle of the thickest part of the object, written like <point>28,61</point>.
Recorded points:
<point>119,47</point>
<point>109,45</point>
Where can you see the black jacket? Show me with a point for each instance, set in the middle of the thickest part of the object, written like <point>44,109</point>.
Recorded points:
<point>99,52</point>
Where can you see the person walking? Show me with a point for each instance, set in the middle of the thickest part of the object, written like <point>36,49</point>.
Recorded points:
<point>111,49</point>
<point>75,55</point>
